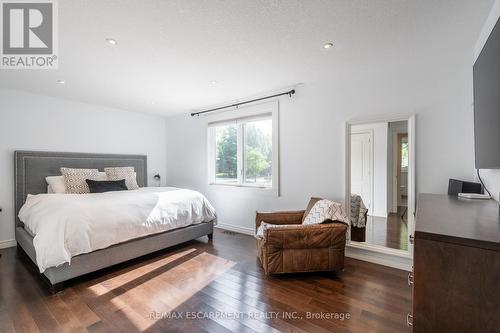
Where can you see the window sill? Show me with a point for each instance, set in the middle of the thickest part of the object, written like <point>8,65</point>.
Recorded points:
<point>261,189</point>
<point>238,185</point>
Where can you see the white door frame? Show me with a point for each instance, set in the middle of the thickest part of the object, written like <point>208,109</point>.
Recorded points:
<point>375,253</point>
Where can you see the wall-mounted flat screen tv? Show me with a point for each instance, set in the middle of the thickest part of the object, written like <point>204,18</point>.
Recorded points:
<point>487,103</point>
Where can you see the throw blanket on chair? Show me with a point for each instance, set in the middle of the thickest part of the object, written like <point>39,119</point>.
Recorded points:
<point>358,212</point>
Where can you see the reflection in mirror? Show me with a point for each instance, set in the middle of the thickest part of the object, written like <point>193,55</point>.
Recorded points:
<point>379,184</point>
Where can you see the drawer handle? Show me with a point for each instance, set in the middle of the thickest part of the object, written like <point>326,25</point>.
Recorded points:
<point>411,239</point>
<point>410,278</point>
<point>409,320</point>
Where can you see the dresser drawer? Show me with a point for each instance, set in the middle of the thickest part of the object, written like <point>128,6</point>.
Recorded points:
<point>455,288</point>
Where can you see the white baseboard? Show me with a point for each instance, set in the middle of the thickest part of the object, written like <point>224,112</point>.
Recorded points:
<point>380,258</point>
<point>236,228</point>
<point>7,243</point>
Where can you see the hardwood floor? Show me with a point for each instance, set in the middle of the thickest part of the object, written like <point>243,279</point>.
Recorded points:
<point>390,232</point>
<point>221,280</point>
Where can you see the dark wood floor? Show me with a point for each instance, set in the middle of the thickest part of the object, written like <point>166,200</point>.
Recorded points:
<point>390,232</point>
<point>198,279</point>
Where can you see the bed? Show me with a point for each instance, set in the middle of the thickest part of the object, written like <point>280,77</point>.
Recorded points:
<point>31,168</point>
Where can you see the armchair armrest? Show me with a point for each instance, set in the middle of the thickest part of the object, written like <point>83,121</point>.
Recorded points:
<point>324,235</point>
<point>288,217</point>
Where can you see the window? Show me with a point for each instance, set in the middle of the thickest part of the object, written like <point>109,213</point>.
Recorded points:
<point>404,153</point>
<point>226,154</point>
<point>242,152</point>
<point>258,152</point>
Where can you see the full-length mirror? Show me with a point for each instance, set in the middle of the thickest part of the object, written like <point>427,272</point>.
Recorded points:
<point>379,169</point>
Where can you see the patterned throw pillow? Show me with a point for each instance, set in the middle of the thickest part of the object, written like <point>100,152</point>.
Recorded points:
<point>127,173</point>
<point>75,179</point>
<point>325,210</point>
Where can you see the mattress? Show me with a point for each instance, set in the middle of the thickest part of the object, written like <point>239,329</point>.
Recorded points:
<point>29,231</point>
<point>66,225</point>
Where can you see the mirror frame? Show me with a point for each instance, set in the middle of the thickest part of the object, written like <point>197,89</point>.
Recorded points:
<point>411,183</point>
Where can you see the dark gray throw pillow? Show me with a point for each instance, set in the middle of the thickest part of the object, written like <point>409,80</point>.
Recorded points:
<point>101,186</point>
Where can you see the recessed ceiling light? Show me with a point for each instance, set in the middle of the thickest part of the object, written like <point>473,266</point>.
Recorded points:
<point>213,82</point>
<point>111,41</point>
<point>328,45</point>
<point>60,82</point>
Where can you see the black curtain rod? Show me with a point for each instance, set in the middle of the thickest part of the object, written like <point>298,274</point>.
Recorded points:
<point>289,93</point>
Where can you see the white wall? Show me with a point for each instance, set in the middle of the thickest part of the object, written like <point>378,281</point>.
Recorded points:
<point>379,200</point>
<point>488,26</point>
<point>33,122</point>
<point>437,88</point>
<point>430,77</point>
<point>491,178</point>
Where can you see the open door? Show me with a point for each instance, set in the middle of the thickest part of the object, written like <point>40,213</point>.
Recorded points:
<point>362,165</point>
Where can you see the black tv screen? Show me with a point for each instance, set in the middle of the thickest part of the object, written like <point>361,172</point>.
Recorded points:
<point>487,103</point>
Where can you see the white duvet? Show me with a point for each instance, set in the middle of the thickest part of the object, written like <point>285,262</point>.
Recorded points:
<point>65,225</point>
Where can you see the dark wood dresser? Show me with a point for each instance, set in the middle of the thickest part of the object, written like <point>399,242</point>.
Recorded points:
<point>456,274</point>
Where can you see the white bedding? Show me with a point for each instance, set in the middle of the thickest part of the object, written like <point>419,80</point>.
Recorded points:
<point>66,225</point>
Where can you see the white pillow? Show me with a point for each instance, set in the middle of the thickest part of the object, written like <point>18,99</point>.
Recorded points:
<point>56,184</point>
<point>325,210</point>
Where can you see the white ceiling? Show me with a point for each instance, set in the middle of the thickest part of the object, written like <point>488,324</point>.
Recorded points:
<point>168,52</point>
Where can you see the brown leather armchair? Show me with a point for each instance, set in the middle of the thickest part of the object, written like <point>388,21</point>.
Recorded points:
<point>295,247</point>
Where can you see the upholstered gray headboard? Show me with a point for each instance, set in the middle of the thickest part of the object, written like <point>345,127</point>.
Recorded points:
<point>31,168</point>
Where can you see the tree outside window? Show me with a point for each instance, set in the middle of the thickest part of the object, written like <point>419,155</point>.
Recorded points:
<point>255,138</point>
<point>404,155</point>
<point>226,158</point>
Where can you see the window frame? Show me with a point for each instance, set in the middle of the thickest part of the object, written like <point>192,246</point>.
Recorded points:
<point>239,117</point>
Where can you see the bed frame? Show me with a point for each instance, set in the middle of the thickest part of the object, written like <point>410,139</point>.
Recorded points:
<point>31,168</point>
